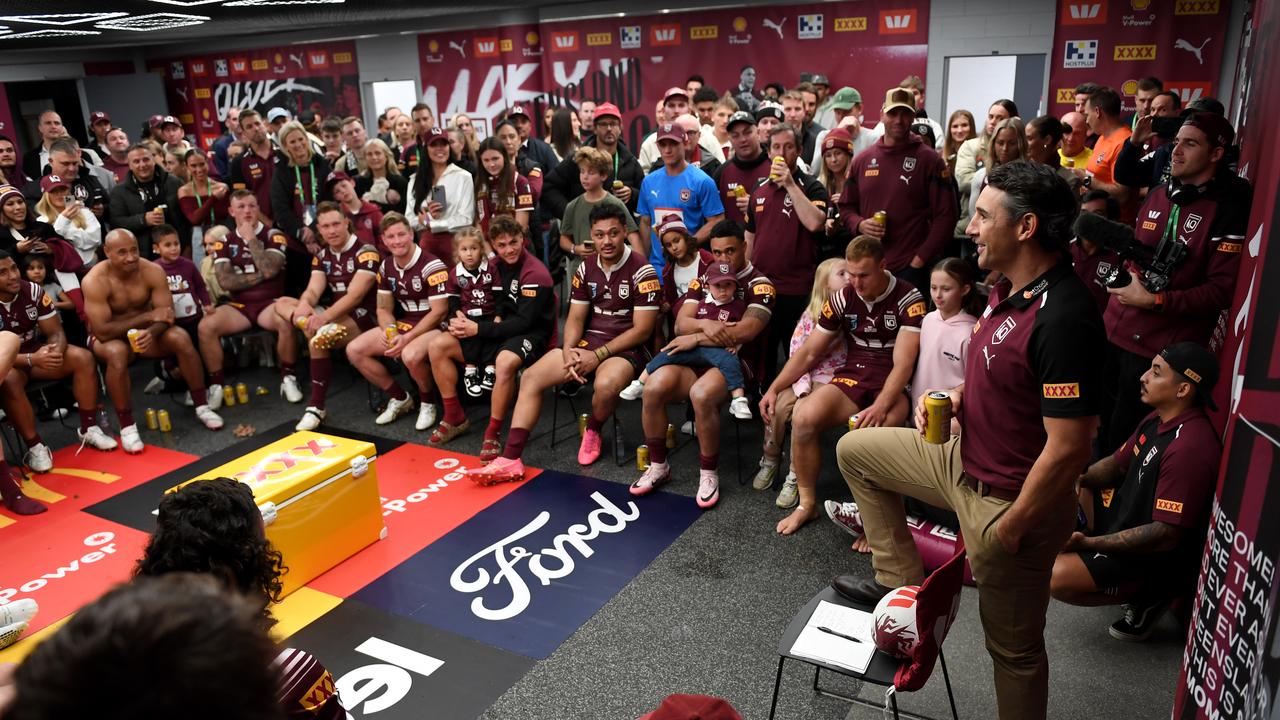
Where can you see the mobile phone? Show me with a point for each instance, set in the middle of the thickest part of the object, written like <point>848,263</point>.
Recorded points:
<point>437,196</point>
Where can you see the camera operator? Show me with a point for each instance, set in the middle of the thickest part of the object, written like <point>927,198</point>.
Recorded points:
<point>1143,161</point>
<point>1195,224</point>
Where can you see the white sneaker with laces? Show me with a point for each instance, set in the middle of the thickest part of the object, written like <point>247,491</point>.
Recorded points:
<point>155,386</point>
<point>740,408</point>
<point>311,419</point>
<point>686,428</point>
<point>789,496</point>
<point>290,390</point>
<point>395,408</point>
<point>185,400</point>
<point>214,393</point>
<point>708,489</point>
<point>96,439</point>
<point>427,416</point>
<point>39,458</point>
<point>765,475</point>
<point>130,440</point>
<point>632,391</point>
<point>210,418</point>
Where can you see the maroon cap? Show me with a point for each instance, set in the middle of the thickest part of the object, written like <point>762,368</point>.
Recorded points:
<point>674,92</point>
<point>334,178</point>
<point>49,182</point>
<point>169,120</point>
<point>693,707</point>
<point>1214,126</point>
<point>838,138</point>
<point>720,272</point>
<point>434,135</point>
<point>672,222</point>
<point>97,117</point>
<point>670,131</point>
<point>608,109</point>
<point>155,121</point>
<point>518,109</point>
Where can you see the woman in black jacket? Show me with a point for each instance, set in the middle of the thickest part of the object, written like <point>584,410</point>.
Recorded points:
<point>297,186</point>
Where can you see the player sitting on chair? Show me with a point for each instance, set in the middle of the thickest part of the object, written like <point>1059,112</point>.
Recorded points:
<point>249,264</point>
<point>349,270</point>
<point>28,312</point>
<point>128,293</point>
<point>411,299</point>
<point>612,314</point>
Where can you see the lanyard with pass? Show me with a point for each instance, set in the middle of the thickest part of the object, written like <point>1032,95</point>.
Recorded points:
<point>308,209</point>
<point>213,215</point>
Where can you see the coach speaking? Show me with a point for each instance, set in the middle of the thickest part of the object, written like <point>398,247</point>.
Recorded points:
<point>1028,412</point>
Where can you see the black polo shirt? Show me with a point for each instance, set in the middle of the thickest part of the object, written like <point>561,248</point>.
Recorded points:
<point>1035,353</point>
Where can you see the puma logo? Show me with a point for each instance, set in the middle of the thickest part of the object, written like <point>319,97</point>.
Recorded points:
<point>775,26</point>
<point>297,59</point>
<point>988,356</point>
<point>461,50</point>
<point>1184,45</point>
<point>906,180</point>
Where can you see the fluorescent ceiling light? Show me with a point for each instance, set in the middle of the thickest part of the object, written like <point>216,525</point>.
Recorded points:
<point>154,21</point>
<point>63,19</point>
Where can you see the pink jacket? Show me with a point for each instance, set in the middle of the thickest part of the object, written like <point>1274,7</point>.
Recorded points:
<point>826,367</point>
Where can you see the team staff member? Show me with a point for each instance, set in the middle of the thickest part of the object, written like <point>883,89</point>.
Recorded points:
<point>256,166</point>
<point>412,298</point>
<point>612,315</point>
<point>784,213</point>
<point>147,199</point>
<point>1031,366</point>
<point>746,168</point>
<point>877,317</point>
<point>909,180</point>
<point>563,184</point>
<point>1152,510</point>
<point>249,265</point>
<point>677,189</point>
<point>1204,208</point>
<point>1102,113</point>
<point>297,188</point>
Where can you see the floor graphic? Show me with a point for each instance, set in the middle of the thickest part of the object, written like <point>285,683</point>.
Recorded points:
<point>470,589</point>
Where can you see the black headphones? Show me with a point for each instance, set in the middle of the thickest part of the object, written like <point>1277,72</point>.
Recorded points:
<point>1182,195</point>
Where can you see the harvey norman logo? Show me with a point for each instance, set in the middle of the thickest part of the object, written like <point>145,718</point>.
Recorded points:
<point>897,22</point>
<point>1084,13</point>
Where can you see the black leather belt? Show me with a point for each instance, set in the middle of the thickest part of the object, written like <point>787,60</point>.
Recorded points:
<point>983,489</point>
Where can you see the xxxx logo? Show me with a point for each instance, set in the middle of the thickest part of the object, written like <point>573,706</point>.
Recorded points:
<point>1066,95</point>
<point>851,24</point>
<point>1196,7</point>
<point>1135,52</point>
<point>601,38</point>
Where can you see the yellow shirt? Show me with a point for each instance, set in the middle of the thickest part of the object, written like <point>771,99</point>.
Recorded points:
<point>1079,160</point>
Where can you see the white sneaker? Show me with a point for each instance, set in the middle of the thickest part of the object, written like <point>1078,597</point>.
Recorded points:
<point>290,390</point>
<point>708,489</point>
<point>686,428</point>
<point>395,408</point>
<point>765,475</point>
<point>130,440</point>
<point>185,400</point>
<point>427,416</point>
<point>311,419</point>
<point>39,458</point>
<point>740,408</point>
<point>96,439</point>
<point>632,391</point>
<point>789,496</point>
<point>214,393</point>
<point>155,386</point>
<point>210,418</point>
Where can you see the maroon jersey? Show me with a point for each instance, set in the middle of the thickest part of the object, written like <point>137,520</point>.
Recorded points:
<point>367,222</point>
<point>674,296</point>
<point>475,290</point>
<point>413,288</point>
<point>735,174</point>
<point>615,295</point>
<point>1093,270</point>
<point>253,172</point>
<point>235,250</point>
<point>489,204</point>
<point>341,266</point>
<point>22,315</point>
<point>784,249</point>
<point>306,689</point>
<point>754,289</point>
<point>731,311</point>
<point>186,286</point>
<point>871,327</point>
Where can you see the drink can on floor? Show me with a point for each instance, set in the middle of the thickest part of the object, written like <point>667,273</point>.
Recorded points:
<point>853,422</point>
<point>228,395</point>
<point>671,436</point>
<point>152,422</point>
<point>642,457</point>
<point>262,391</point>
<point>582,424</point>
<point>133,339</point>
<point>242,393</point>
<point>163,418</point>
<point>937,417</point>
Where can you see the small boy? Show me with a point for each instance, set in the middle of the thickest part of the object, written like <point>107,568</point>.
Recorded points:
<point>594,166</point>
<point>470,291</point>
<point>190,295</point>
<point>719,302</point>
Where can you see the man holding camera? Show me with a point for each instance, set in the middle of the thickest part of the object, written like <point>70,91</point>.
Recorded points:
<point>1195,227</point>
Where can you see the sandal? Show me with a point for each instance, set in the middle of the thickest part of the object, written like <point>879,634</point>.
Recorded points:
<point>490,449</point>
<point>447,432</point>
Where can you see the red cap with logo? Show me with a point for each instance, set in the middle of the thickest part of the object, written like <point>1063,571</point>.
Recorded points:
<point>721,272</point>
<point>673,92</point>
<point>97,117</point>
<point>670,131</point>
<point>608,109</point>
<point>435,135</point>
<point>49,182</point>
<point>838,138</point>
<point>155,121</point>
<point>520,110</point>
<point>334,178</point>
<point>169,120</point>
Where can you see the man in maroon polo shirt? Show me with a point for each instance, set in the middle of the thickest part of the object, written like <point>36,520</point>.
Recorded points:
<point>254,168</point>
<point>1151,508</point>
<point>1029,410</point>
<point>1202,213</point>
<point>909,180</point>
<point>785,212</point>
<point>748,167</point>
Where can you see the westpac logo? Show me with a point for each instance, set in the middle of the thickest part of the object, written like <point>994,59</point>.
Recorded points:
<point>1080,54</point>
<point>601,38</point>
<point>630,36</point>
<point>850,24</point>
<point>1084,13</point>
<point>198,68</point>
<point>704,32</point>
<point>660,35</point>
<point>317,59</point>
<point>564,41</point>
<point>1127,53</point>
<point>1189,90</point>
<point>898,22</point>
<point>1196,7</point>
<point>239,66</point>
<point>486,47</point>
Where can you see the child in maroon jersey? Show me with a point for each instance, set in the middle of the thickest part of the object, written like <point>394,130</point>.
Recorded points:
<point>36,272</point>
<point>470,247</point>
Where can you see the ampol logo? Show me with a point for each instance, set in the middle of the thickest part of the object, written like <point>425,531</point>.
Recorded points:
<point>486,47</point>
<point>1084,13</point>
<point>660,35</point>
<point>564,41</point>
<point>1189,90</point>
<point>898,22</point>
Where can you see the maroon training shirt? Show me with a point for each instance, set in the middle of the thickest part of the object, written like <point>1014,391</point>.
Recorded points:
<point>871,328</point>
<point>784,249</point>
<point>615,295</point>
<point>733,175</point>
<point>22,315</point>
<point>234,250</point>
<point>413,288</point>
<point>340,268</point>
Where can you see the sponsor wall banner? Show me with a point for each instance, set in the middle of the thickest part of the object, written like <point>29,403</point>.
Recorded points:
<point>631,61</point>
<point>1231,662</point>
<point>1118,42</point>
<point>321,77</point>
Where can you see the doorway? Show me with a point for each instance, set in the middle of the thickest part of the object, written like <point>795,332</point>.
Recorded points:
<point>28,99</point>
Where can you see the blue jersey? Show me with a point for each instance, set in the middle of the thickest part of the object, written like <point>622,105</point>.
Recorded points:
<point>692,196</point>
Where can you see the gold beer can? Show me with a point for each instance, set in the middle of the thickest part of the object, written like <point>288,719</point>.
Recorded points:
<point>133,335</point>
<point>937,417</point>
<point>228,395</point>
<point>671,436</point>
<point>300,323</point>
<point>163,418</point>
<point>853,422</point>
<point>392,331</point>
<point>152,423</point>
<point>882,217</point>
<point>642,457</point>
<point>582,424</point>
<point>242,393</point>
<point>740,191</point>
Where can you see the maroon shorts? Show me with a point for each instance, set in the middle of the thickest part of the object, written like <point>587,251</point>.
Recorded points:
<point>861,383</point>
<point>252,309</point>
<point>364,318</point>
<point>638,357</point>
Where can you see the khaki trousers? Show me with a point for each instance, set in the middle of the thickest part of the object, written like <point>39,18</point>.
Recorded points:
<point>883,464</point>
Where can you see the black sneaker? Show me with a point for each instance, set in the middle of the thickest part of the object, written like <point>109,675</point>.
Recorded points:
<point>490,377</point>
<point>1138,621</point>
<point>471,381</point>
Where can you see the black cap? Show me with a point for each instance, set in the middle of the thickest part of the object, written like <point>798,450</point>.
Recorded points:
<point>742,116</point>
<point>1197,365</point>
<point>772,111</point>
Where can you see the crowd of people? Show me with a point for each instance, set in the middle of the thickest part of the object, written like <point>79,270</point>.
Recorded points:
<point>745,255</point>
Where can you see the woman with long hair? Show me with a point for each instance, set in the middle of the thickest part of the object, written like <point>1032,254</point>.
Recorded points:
<point>960,127</point>
<point>442,198</point>
<point>837,155</point>
<point>22,236</point>
<point>469,149</point>
<point>970,156</point>
<point>297,187</point>
<point>507,134</point>
<point>404,145</point>
<point>70,218</point>
<point>564,133</point>
<point>500,190</point>
<point>1006,144</point>
<point>382,183</point>
<point>205,202</point>
<point>175,163</point>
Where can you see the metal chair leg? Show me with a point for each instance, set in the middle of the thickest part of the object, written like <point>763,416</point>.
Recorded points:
<point>777,683</point>
<point>942,660</point>
<point>555,414</point>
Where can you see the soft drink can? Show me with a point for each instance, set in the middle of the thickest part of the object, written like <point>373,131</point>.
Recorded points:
<point>242,393</point>
<point>937,417</point>
<point>582,424</point>
<point>671,436</point>
<point>163,418</point>
<point>642,457</point>
<point>133,334</point>
<point>228,395</point>
<point>152,423</point>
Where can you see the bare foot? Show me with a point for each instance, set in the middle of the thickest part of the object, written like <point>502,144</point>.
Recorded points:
<point>861,545</point>
<point>796,520</point>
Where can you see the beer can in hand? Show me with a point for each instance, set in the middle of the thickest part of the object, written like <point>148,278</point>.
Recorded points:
<point>242,393</point>
<point>301,323</point>
<point>152,422</point>
<point>937,417</point>
<point>163,418</point>
<point>882,217</point>
<point>392,331</point>
<point>134,334</point>
<point>642,457</point>
<point>853,422</point>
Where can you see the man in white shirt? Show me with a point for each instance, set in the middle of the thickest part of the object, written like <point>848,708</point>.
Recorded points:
<point>846,108</point>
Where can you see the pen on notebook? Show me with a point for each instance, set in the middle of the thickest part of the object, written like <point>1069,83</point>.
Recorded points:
<point>829,631</point>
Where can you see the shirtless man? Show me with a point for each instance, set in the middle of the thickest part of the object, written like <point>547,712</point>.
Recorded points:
<point>128,293</point>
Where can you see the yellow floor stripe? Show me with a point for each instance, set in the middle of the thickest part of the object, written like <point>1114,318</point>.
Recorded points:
<point>35,490</point>
<point>16,652</point>
<point>300,609</point>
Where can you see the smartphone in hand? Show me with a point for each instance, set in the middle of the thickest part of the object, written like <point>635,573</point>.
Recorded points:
<point>438,196</point>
